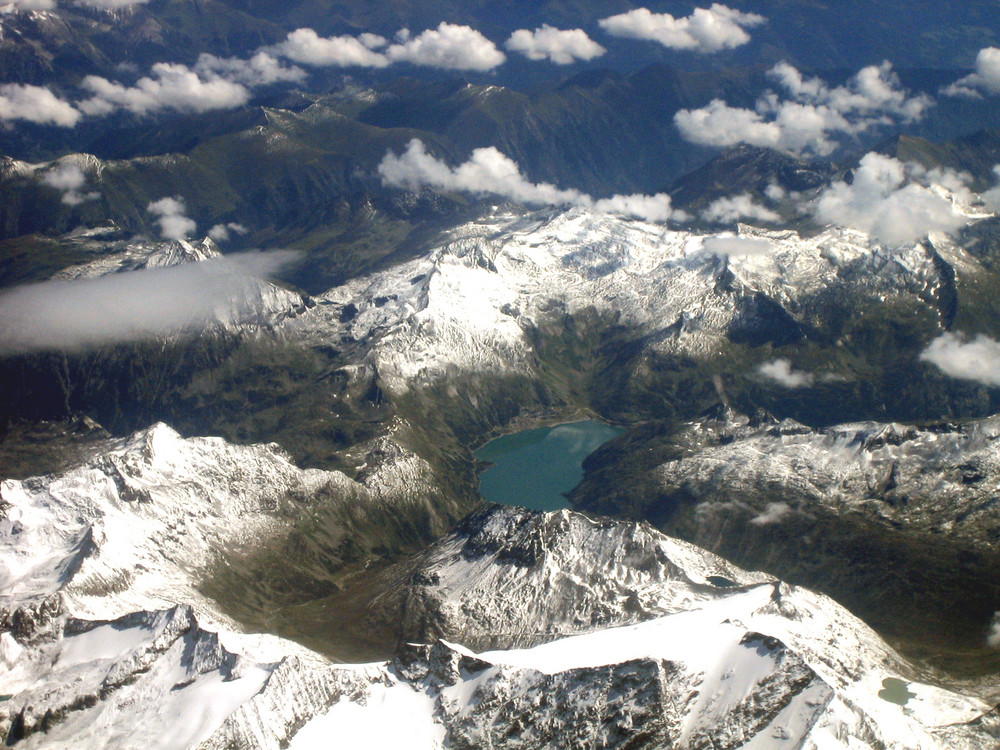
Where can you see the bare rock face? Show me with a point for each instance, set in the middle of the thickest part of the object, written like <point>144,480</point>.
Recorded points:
<point>837,509</point>
<point>509,578</point>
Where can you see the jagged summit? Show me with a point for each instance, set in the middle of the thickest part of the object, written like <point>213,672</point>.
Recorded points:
<point>508,577</point>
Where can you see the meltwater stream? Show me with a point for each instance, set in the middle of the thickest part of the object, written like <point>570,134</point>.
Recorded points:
<point>533,468</point>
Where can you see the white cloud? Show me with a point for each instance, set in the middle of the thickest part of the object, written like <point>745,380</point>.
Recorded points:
<point>36,104</point>
<point>986,79</point>
<point>131,306</point>
<point>884,202</point>
<point>562,47</point>
<point>649,207</point>
<point>978,359</point>
<point>221,232</point>
<point>775,192</point>
<point>705,30</point>
<point>773,513</point>
<point>174,225</point>
<point>449,47</point>
<point>992,196</point>
<point>486,171</point>
<point>718,124</point>
<point>736,207</point>
<point>309,48</point>
<point>726,245</point>
<point>69,179</point>
<point>260,70</point>
<point>993,639</point>
<point>111,4</point>
<point>490,172</point>
<point>809,114</point>
<point>170,86</point>
<point>781,372</point>
<point>874,89</point>
<point>11,6</point>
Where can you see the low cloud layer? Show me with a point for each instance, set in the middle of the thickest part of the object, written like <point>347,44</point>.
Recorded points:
<point>24,5</point>
<point>705,30</point>
<point>448,47</point>
<point>170,213</point>
<point>35,104</point>
<point>780,371</point>
<point>808,116</point>
<point>559,46</point>
<point>490,172</point>
<point>70,180</point>
<point>19,5</point>
<point>725,246</point>
<point>884,201</point>
<point>111,4</point>
<point>734,208</point>
<point>132,306</point>
<point>985,80</point>
<point>977,359</point>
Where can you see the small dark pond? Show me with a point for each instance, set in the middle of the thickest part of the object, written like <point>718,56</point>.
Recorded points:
<point>895,691</point>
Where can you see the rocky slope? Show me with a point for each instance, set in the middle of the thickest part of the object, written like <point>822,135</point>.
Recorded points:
<point>894,520</point>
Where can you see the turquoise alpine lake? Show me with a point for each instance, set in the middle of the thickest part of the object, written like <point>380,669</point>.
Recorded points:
<point>533,468</point>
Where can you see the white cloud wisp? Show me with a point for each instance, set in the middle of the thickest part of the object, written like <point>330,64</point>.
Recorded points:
<point>725,246</point>
<point>780,371</point>
<point>448,47</point>
<point>977,359</point>
<point>169,87</point>
<point>222,232</point>
<point>131,306</point>
<point>733,208</point>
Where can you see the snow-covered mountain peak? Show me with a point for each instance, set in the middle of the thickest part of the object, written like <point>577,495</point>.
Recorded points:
<point>475,303</point>
<point>136,528</point>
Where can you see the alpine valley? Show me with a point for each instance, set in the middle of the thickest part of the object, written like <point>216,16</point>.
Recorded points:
<point>271,274</point>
